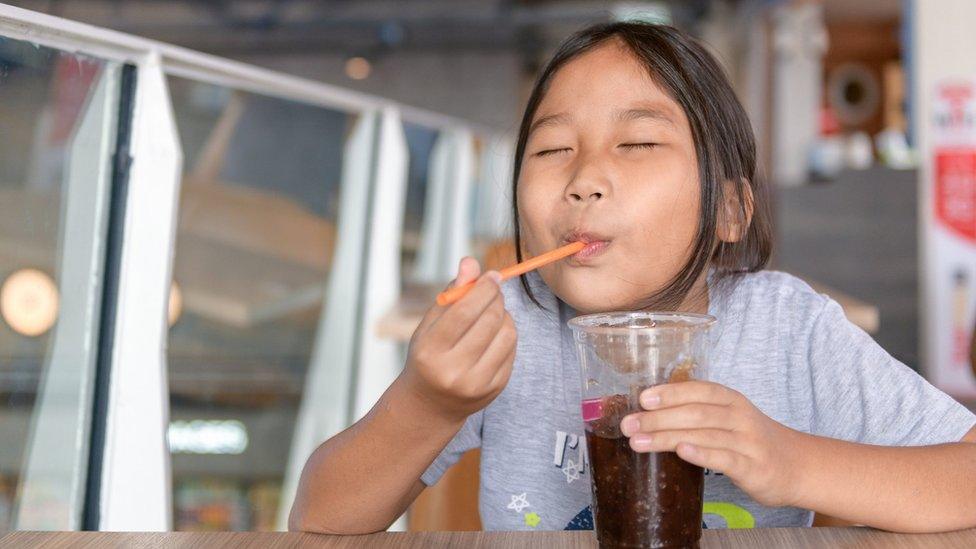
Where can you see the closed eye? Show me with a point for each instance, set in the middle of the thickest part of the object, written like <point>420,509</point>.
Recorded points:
<point>639,145</point>
<point>549,152</point>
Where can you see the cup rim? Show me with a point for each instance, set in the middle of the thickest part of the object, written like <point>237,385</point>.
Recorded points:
<point>587,323</point>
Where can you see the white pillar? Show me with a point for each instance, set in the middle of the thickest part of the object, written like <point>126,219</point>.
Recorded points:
<point>799,42</point>
<point>136,488</point>
<point>446,232</point>
<point>52,486</point>
<point>379,360</point>
<point>460,213</point>
<point>428,266</point>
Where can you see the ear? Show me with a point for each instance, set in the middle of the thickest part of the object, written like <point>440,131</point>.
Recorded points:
<point>735,211</point>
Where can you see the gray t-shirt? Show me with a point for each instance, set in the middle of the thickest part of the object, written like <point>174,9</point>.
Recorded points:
<point>788,349</point>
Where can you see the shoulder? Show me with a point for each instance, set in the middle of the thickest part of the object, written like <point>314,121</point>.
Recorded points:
<point>771,288</point>
<point>771,301</point>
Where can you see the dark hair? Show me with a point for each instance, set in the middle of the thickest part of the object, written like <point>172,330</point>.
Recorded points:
<point>724,145</point>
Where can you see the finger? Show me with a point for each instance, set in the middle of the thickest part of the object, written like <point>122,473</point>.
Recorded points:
<point>432,314</point>
<point>460,316</point>
<point>484,328</point>
<point>468,270</point>
<point>686,392</point>
<point>668,441</point>
<point>686,416</point>
<point>727,462</point>
<point>505,372</point>
<point>495,354</point>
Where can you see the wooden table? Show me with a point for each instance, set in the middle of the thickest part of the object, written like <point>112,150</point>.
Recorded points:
<point>853,538</point>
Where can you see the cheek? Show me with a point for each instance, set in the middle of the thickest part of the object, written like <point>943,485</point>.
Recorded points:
<point>682,219</point>
<point>533,208</point>
<point>674,199</point>
<point>665,220</point>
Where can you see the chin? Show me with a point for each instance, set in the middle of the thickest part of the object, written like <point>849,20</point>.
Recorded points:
<point>590,290</point>
<point>588,299</point>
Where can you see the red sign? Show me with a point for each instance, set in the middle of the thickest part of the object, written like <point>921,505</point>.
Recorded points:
<point>955,190</point>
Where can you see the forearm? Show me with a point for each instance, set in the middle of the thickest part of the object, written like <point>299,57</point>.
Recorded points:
<point>908,489</point>
<point>362,479</point>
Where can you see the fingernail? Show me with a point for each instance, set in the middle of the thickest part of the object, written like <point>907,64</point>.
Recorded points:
<point>494,275</point>
<point>640,442</point>
<point>629,426</point>
<point>649,400</point>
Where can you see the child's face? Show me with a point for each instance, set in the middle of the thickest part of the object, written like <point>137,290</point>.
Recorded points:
<point>600,181</point>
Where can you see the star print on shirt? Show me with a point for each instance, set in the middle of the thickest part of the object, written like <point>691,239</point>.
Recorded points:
<point>519,502</point>
<point>572,471</point>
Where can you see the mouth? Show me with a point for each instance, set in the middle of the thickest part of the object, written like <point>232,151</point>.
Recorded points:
<point>596,244</point>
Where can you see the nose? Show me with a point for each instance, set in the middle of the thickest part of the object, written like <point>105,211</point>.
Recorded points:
<point>584,196</point>
<point>588,184</point>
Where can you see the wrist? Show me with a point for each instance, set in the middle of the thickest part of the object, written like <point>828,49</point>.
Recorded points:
<point>801,459</point>
<point>417,408</point>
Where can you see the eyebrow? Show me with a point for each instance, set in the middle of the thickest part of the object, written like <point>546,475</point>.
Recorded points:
<point>550,120</point>
<point>621,116</point>
<point>644,113</point>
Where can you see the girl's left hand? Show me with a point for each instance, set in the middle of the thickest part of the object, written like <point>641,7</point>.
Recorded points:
<point>715,427</point>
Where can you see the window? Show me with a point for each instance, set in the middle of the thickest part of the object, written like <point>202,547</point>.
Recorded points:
<point>58,116</point>
<point>254,249</point>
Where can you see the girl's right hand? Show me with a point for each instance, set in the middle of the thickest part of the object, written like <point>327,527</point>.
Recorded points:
<point>461,356</point>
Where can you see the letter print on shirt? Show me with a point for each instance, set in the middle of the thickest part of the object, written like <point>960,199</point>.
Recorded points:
<point>568,444</point>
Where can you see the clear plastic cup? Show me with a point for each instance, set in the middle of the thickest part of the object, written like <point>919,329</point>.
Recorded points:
<point>639,499</point>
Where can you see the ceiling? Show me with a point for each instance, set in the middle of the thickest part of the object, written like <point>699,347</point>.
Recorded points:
<point>244,26</point>
<point>370,27</point>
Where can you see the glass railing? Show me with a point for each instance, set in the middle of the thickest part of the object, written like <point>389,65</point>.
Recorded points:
<point>59,112</point>
<point>193,255</point>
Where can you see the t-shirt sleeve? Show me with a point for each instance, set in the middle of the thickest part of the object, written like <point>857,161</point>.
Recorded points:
<point>467,438</point>
<point>861,393</point>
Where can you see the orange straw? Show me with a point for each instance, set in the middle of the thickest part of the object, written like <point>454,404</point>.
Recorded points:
<point>450,296</point>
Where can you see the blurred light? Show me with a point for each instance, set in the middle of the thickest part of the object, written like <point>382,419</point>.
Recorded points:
<point>646,12</point>
<point>358,68</point>
<point>29,302</point>
<point>175,307</point>
<point>207,436</point>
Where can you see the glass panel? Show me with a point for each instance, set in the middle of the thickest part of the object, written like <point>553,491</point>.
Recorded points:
<point>58,116</point>
<point>490,204</point>
<point>420,145</point>
<point>254,247</point>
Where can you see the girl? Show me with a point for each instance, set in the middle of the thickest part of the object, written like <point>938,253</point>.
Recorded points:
<point>634,143</point>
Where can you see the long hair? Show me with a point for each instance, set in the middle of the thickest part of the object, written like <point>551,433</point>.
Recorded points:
<point>724,145</point>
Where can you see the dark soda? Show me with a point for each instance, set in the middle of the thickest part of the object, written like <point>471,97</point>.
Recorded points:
<point>644,500</point>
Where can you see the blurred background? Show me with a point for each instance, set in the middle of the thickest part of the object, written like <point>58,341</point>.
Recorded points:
<point>316,215</point>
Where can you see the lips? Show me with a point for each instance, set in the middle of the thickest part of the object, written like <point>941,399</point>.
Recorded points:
<point>595,243</point>
<point>591,250</point>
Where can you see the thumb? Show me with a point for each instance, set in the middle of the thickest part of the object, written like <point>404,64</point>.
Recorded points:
<point>468,270</point>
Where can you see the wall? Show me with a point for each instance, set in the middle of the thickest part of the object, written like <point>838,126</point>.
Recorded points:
<point>857,235</point>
